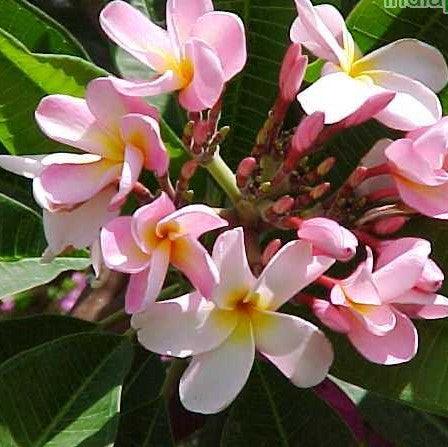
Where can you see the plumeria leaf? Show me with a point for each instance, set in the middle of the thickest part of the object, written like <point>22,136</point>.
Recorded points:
<point>80,407</point>
<point>272,411</point>
<point>25,274</point>
<point>36,30</point>
<point>29,78</point>
<point>144,417</point>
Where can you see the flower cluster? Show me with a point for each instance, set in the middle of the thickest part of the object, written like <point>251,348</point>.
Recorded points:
<point>239,291</point>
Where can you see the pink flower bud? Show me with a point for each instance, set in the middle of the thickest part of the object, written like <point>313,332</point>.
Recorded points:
<point>292,72</point>
<point>271,249</point>
<point>389,225</point>
<point>329,238</point>
<point>283,205</point>
<point>245,170</point>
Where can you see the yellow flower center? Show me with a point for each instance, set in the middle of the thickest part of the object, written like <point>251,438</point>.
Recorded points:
<point>169,230</point>
<point>183,68</point>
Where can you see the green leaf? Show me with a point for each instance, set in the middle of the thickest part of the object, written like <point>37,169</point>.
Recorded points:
<point>272,411</point>
<point>26,78</point>
<point>36,30</point>
<point>373,25</point>
<point>64,392</point>
<point>25,274</point>
<point>145,420</point>
<point>29,332</point>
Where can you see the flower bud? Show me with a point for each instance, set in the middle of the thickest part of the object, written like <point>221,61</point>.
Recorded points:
<point>271,249</point>
<point>245,170</point>
<point>292,72</point>
<point>283,205</point>
<point>389,225</point>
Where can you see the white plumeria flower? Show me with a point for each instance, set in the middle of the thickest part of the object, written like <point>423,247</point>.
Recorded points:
<point>223,333</point>
<point>408,67</point>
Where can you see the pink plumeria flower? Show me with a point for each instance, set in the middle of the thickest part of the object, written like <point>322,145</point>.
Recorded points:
<point>78,192</point>
<point>412,69</point>
<point>329,238</point>
<point>417,169</point>
<point>199,52</point>
<point>223,333</point>
<point>372,307</point>
<point>156,236</point>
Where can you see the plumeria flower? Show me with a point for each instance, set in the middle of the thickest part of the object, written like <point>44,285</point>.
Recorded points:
<point>222,333</point>
<point>373,306</point>
<point>156,235</point>
<point>329,238</point>
<point>415,169</point>
<point>199,52</point>
<point>78,192</point>
<point>412,69</point>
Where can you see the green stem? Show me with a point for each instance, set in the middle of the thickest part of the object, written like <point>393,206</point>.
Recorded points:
<point>224,176</point>
<point>112,319</point>
<point>172,378</point>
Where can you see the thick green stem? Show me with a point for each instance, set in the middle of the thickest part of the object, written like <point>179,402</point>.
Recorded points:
<point>224,176</point>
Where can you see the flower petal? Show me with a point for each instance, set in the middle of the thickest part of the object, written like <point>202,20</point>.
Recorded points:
<point>158,268</point>
<point>109,106</point>
<point>132,167</point>
<point>143,133</point>
<point>411,58</point>
<point>193,260</point>
<point>298,348</point>
<point>146,218</point>
<point>329,238</point>
<point>68,120</point>
<point>78,228</point>
<point>70,184</point>
<point>330,316</point>
<point>195,220</point>
<point>120,251</point>
<point>275,288</point>
<point>135,33</point>
<point>321,30</point>
<point>414,105</point>
<point>214,379</point>
<point>229,255</point>
<point>397,346</point>
<point>181,15</point>
<point>29,166</point>
<point>184,326</point>
<point>231,50</point>
<point>136,291</point>
<point>337,95</point>
<point>417,304</point>
<point>208,77</point>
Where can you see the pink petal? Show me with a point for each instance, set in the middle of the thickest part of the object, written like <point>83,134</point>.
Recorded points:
<point>28,166</point>
<point>181,16</point>
<point>195,220</point>
<point>71,184</point>
<point>183,326</point>
<point>337,95</point>
<point>146,218</point>
<point>330,316</point>
<point>432,277</point>
<point>78,228</point>
<point>397,346</point>
<point>135,33</point>
<point>321,30</point>
<point>417,304</point>
<point>393,250</point>
<point>132,167</point>
<point>411,58</point>
<point>229,255</point>
<point>208,79</point>
<point>158,269</point>
<point>329,238</point>
<point>143,133</point>
<point>193,260</point>
<point>298,348</point>
<point>68,120</point>
<point>414,105</point>
<point>214,379</point>
<point>109,106</point>
<point>378,320</point>
<point>275,288</point>
<point>136,291</point>
<point>166,83</point>
<point>120,251</point>
<point>231,49</point>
